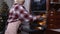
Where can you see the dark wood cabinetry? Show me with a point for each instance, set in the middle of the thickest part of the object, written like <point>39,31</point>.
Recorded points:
<point>53,16</point>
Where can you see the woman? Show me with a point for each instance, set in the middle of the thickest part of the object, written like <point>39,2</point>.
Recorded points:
<point>17,15</point>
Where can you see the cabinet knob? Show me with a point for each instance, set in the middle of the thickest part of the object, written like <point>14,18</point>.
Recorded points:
<point>51,19</point>
<point>51,24</point>
<point>51,14</point>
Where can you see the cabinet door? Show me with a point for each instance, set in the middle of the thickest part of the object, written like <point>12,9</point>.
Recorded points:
<point>53,17</point>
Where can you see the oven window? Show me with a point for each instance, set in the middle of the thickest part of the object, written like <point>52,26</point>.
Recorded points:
<point>38,5</point>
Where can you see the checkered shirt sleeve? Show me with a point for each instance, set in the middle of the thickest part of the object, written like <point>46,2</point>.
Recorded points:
<point>17,12</point>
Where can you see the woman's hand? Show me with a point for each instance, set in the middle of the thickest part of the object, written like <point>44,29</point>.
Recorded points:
<point>38,16</point>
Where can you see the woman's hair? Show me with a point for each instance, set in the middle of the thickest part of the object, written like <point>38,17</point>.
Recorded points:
<point>18,1</point>
<point>15,1</point>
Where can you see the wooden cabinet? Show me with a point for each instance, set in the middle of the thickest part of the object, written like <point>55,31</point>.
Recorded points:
<point>53,16</point>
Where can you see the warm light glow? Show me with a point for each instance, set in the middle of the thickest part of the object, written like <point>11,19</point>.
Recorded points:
<point>39,28</point>
<point>42,23</point>
<point>44,16</point>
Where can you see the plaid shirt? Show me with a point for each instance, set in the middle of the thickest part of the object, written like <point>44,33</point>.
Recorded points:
<point>17,12</point>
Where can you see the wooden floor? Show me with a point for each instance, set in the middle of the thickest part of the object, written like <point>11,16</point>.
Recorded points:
<point>51,32</point>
